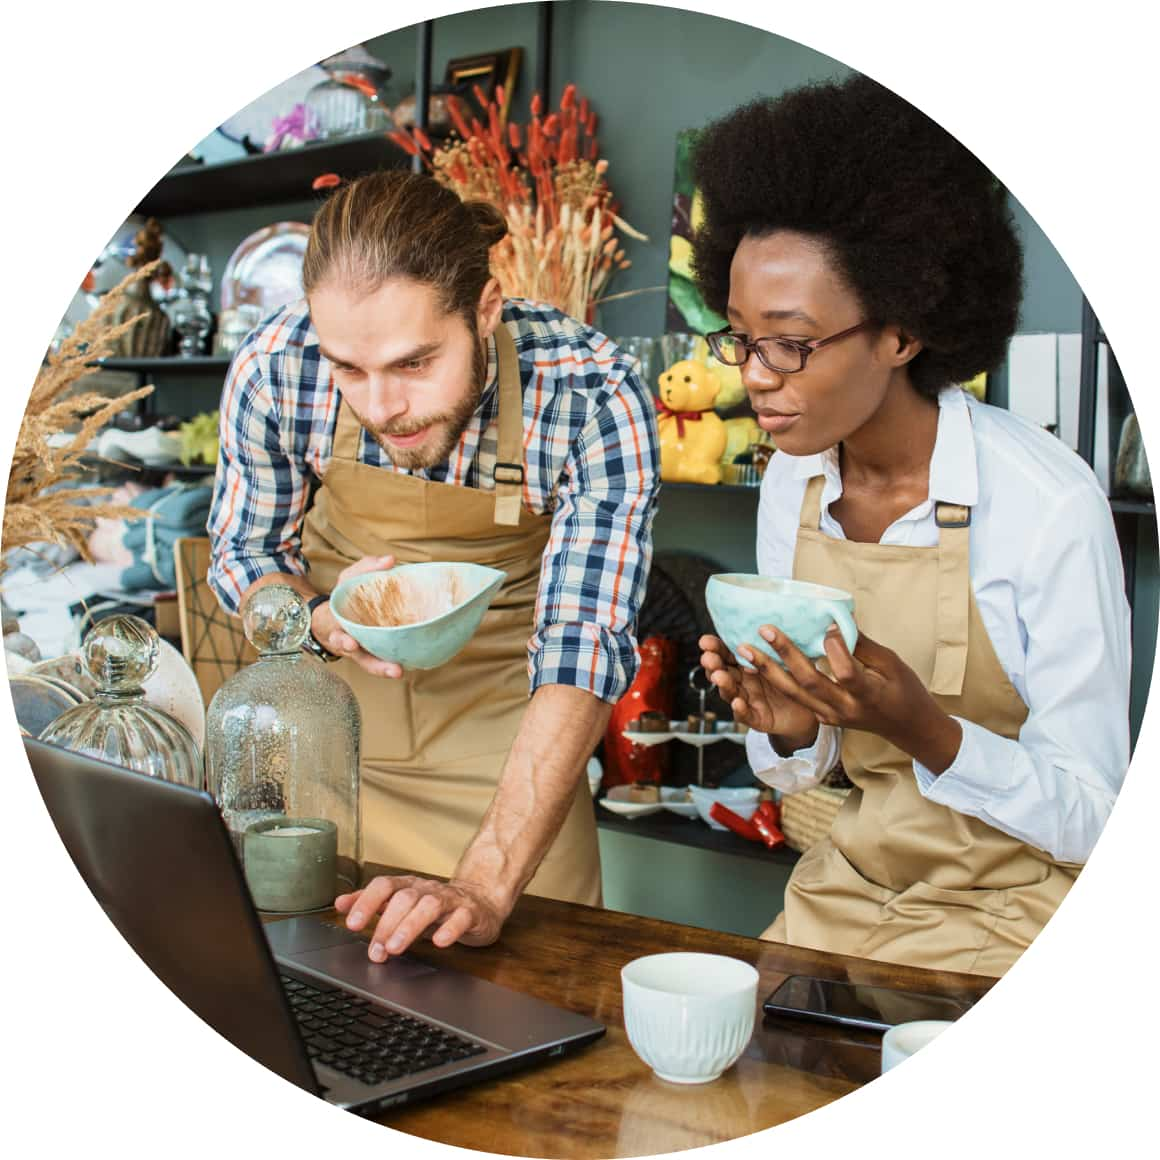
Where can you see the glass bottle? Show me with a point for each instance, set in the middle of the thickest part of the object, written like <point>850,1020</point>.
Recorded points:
<point>117,725</point>
<point>282,735</point>
<point>189,311</point>
<point>346,102</point>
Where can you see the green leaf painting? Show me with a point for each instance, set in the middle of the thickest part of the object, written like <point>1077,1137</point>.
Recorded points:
<point>686,311</point>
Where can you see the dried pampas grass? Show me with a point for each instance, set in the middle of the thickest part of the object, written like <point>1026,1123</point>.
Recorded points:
<point>38,508</point>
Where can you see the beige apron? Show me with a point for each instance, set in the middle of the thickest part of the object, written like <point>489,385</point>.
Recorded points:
<point>434,742</point>
<point>901,878</point>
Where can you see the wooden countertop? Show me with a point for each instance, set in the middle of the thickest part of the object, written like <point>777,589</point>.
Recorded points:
<point>603,1101</point>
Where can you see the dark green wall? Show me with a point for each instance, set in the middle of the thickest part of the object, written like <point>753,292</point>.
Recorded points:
<point>650,72</point>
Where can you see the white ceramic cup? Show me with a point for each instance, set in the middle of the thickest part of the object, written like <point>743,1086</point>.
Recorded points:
<point>903,1039</point>
<point>689,1016</point>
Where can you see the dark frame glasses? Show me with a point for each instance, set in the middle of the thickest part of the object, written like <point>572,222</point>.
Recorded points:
<point>724,344</point>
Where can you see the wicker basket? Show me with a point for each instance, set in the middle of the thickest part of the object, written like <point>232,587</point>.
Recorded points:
<point>806,817</point>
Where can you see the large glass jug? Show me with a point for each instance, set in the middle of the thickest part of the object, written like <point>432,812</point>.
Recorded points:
<point>282,735</point>
<point>120,653</point>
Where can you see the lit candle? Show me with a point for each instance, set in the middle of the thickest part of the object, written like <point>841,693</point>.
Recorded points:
<point>291,864</point>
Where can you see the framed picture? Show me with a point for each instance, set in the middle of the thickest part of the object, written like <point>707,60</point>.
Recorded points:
<point>688,317</point>
<point>686,311</point>
<point>488,70</point>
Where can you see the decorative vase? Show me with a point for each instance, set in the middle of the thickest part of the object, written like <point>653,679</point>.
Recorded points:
<point>150,337</point>
<point>651,692</point>
<point>348,102</point>
<point>282,735</point>
<point>117,725</point>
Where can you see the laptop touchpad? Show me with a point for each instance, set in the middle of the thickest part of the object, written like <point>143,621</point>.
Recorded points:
<point>349,964</point>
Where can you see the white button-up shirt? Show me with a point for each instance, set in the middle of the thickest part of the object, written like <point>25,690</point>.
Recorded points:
<point>1048,580</point>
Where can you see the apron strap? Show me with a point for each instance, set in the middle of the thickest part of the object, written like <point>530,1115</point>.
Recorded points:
<point>508,473</point>
<point>509,467</point>
<point>348,433</point>
<point>811,514</point>
<point>954,587</point>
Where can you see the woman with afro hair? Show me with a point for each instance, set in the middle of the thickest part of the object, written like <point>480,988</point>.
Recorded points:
<point>867,264</point>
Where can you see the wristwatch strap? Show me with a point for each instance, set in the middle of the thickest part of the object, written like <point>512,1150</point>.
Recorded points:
<point>313,643</point>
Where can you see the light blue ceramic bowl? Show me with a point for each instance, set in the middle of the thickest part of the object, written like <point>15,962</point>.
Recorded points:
<point>425,644</point>
<point>740,603</point>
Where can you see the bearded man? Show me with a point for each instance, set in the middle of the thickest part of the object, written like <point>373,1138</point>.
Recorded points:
<point>407,411</point>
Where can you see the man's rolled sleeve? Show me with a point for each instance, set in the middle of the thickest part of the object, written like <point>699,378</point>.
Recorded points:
<point>596,564</point>
<point>584,656</point>
<point>260,490</point>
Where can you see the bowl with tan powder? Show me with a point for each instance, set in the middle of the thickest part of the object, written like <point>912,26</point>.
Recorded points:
<point>418,615</point>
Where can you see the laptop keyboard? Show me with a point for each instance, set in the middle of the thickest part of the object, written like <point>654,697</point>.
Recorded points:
<point>370,1044</point>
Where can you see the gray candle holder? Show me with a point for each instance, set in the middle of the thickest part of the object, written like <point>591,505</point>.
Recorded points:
<point>291,871</point>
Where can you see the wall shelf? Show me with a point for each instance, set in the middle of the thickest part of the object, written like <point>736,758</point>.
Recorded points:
<point>1132,506</point>
<point>719,488</point>
<point>204,364</point>
<point>269,178</point>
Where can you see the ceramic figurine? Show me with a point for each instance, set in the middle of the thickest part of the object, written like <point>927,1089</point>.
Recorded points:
<point>693,438</point>
<point>150,337</point>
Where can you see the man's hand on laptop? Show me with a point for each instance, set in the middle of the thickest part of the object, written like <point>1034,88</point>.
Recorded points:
<point>411,907</point>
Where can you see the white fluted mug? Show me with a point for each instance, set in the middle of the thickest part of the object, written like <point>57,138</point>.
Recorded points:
<point>689,1016</point>
<point>903,1039</point>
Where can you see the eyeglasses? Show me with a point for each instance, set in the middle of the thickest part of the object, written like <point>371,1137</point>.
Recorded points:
<point>784,356</point>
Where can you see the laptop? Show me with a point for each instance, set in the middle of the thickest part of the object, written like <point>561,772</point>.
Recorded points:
<point>298,995</point>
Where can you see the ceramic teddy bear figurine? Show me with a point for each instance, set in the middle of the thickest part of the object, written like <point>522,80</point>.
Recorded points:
<point>693,438</point>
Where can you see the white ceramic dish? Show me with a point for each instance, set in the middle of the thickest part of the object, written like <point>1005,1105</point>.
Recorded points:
<point>616,802</point>
<point>69,668</point>
<point>39,701</point>
<point>646,739</point>
<point>678,731</point>
<point>674,800</point>
<point>696,740</point>
<point>173,687</point>
<point>742,801</point>
<point>266,269</point>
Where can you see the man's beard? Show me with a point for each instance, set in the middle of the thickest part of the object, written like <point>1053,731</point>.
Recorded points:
<point>452,423</point>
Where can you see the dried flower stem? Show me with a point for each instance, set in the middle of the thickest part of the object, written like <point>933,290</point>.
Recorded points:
<point>550,184</point>
<point>38,508</point>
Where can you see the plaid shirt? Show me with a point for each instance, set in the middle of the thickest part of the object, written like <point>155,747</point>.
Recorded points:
<point>591,458</point>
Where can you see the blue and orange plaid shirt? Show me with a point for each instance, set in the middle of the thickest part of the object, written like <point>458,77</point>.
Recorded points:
<point>591,459</point>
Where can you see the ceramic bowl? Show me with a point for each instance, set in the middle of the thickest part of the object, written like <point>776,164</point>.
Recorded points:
<point>677,800</point>
<point>689,1016</point>
<point>438,607</point>
<point>740,603</point>
<point>742,801</point>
